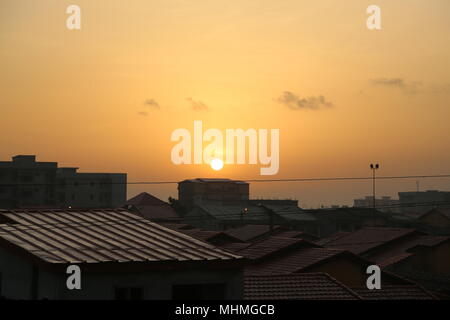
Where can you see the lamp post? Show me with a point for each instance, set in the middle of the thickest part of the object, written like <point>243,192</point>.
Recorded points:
<point>374,167</point>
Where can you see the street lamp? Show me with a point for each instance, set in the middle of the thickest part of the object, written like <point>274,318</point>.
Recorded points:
<point>374,167</point>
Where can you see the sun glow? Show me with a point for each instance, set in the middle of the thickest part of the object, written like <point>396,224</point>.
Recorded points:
<point>216,164</point>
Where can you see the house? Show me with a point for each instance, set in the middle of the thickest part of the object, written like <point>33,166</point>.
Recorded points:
<point>152,208</point>
<point>409,253</point>
<point>436,220</point>
<point>121,256</point>
<point>279,256</point>
<point>202,190</point>
<point>299,286</point>
<point>321,286</point>
<point>332,220</point>
<point>27,183</point>
<point>253,232</point>
<point>215,216</point>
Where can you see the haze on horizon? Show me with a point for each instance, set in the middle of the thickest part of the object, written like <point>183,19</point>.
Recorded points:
<point>107,97</point>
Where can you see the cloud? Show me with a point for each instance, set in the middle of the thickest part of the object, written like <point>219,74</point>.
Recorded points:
<point>408,87</point>
<point>152,103</point>
<point>197,105</point>
<point>142,113</point>
<point>296,102</point>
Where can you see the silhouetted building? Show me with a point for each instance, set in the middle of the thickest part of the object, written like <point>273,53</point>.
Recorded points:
<point>152,208</point>
<point>120,257</point>
<point>423,201</point>
<point>384,204</point>
<point>199,191</point>
<point>26,183</point>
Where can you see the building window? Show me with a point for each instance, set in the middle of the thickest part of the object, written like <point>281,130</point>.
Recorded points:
<point>210,291</point>
<point>123,293</point>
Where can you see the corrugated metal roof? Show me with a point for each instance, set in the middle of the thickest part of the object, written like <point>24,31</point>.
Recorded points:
<point>93,236</point>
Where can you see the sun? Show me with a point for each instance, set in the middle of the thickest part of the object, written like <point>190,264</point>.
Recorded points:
<point>216,164</point>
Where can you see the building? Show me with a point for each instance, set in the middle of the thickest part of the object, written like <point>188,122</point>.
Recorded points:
<point>384,204</point>
<point>27,183</point>
<point>152,208</point>
<point>297,286</point>
<point>321,286</point>
<point>217,216</point>
<point>120,255</point>
<point>423,201</point>
<point>200,190</point>
<point>409,253</point>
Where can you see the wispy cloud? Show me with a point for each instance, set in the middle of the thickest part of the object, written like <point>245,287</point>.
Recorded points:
<point>295,102</point>
<point>142,113</point>
<point>197,105</point>
<point>152,103</point>
<point>408,87</point>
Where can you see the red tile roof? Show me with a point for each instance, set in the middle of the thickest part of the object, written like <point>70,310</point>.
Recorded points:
<point>146,199</point>
<point>295,261</point>
<point>304,286</point>
<point>250,232</point>
<point>411,292</point>
<point>366,239</point>
<point>402,249</point>
<point>268,247</point>
<point>152,208</point>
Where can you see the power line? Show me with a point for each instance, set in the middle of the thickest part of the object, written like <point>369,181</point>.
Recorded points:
<point>245,180</point>
<point>98,223</point>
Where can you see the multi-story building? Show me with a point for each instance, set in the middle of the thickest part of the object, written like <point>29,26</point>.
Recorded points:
<point>384,204</point>
<point>198,191</point>
<point>26,183</point>
<point>423,201</point>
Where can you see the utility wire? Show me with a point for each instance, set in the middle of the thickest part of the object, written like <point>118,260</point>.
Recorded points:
<point>245,180</point>
<point>71,224</point>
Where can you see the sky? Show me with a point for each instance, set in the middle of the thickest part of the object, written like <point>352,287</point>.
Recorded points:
<point>107,97</point>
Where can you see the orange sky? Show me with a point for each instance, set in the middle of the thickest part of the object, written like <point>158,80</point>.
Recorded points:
<point>78,97</point>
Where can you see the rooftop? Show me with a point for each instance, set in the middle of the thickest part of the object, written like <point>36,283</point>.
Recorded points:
<point>301,286</point>
<point>99,236</point>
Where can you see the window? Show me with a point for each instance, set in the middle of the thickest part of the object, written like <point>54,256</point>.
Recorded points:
<point>123,293</point>
<point>211,291</point>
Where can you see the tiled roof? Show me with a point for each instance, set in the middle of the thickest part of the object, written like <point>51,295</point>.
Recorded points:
<point>250,232</point>
<point>152,208</point>
<point>331,238</point>
<point>303,286</point>
<point>443,211</point>
<point>412,292</point>
<point>289,212</point>
<point>95,236</point>
<point>402,249</point>
<point>253,213</point>
<point>213,237</point>
<point>266,247</point>
<point>146,199</point>
<point>365,239</point>
<point>294,261</point>
<point>297,234</point>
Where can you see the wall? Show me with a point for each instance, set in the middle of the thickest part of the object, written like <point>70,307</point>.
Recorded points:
<point>17,278</point>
